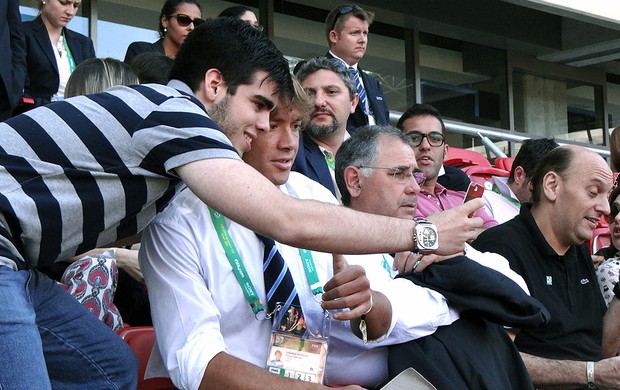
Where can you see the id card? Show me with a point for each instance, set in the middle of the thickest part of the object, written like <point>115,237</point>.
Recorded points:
<point>298,345</point>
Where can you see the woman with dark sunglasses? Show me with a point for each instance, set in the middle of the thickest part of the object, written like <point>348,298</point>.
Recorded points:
<point>177,19</point>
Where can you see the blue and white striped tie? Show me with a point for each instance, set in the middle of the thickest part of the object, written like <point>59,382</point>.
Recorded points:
<point>279,283</point>
<point>361,92</point>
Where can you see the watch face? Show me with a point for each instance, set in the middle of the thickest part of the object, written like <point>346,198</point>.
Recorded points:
<point>428,237</point>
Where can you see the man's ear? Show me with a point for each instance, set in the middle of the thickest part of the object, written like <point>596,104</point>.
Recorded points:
<point>353,179</point>
<point>551,184</point>
<point>354,103</point>
<point>333,36</point>
<point>519,175</point>
<point>446,147</point>
<point>214,86</point>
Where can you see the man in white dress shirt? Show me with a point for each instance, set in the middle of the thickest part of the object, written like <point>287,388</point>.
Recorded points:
<point>504,200</point>
<point>207,333</point>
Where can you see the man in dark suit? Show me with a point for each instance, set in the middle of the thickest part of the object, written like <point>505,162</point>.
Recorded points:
<point>346,29</point>
<point>13,58</point>
<point>335,98</point>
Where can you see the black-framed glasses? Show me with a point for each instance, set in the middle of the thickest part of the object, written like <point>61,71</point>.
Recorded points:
<point>402,174</point>
<point>611,217</point>
<point>185,20</point>
<point>434,138</point>
<point>343,10</point>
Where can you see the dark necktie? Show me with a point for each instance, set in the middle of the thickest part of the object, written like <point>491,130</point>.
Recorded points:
<point>279,284</point>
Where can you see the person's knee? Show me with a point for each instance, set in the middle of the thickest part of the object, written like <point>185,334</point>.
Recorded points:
<point>128,366</point>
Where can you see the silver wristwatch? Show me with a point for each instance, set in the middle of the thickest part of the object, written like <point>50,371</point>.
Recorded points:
<point>425,237</point>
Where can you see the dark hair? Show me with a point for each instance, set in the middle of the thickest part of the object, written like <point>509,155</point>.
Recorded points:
<point>315,64</point>
<point>611,250</point>
<point>557,160</point>
<point>420,110</point>
<point>234,12</point>
<point>614,149</point>
<point>336,18</point>
<point>236,49</point>
<point>361,149</point>
<point>530,153</point>
<point>169,8</point>
<point>152,67</point>
<point>95,75</point>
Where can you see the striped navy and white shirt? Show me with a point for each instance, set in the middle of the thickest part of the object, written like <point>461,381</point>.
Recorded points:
<point>90,170</point>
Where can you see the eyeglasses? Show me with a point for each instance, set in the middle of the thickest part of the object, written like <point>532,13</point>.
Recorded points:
<point>434,138</point>
<point>611,217</point>
<point>402,174</point>
<point>345,9</point>
<point>185,20</point>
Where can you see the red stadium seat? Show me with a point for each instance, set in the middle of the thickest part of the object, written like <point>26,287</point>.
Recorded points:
<point>504,163</point>
<point>141,340</point>
<point>601,238</point>
<point>460,158</point>
<point>484,175</point>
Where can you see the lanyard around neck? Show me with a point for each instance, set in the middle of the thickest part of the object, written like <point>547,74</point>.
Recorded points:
<point>232,254</point>
<point>69,55</point>
<point>514,202</point>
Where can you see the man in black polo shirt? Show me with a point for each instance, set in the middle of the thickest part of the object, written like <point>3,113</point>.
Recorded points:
<point>570,188</point>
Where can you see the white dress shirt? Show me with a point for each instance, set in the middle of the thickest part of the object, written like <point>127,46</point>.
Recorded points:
<point>500,207</point>
<point>199,310</point>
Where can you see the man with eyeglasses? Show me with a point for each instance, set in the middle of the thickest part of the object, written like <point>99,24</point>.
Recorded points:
<point>334,99</point>
<point>545,244</point>
<point>423,124</point>
<point>346,30</point>
<point>377,173</point>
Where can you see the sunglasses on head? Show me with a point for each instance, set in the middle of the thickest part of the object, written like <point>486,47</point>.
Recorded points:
<point>615,209</point>
<point>345,9</point>
<point>184,20</point>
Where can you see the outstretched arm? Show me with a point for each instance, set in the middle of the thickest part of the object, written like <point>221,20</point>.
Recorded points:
<point>238,191</point>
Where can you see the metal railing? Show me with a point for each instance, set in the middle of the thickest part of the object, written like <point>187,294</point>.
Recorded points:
<point>500,135</point>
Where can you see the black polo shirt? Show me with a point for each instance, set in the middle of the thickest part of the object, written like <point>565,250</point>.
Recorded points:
<point>566,285</point>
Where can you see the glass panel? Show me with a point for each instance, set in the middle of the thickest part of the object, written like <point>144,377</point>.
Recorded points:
<point>613,105</point>
<point>553,107</point>
<point>465,82</point>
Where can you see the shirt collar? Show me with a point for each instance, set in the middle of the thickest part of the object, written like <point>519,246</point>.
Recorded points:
<point>343,61</point>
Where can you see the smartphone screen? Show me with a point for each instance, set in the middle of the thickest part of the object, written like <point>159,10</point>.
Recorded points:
<point>474,191</point>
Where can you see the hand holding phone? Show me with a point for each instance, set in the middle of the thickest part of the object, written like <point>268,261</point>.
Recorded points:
<point>474,191</point>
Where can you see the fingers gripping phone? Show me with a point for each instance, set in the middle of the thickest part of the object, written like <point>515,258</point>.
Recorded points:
<point>474,191</point>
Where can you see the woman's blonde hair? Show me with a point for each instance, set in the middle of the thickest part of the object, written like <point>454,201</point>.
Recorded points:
<point>98,74</point>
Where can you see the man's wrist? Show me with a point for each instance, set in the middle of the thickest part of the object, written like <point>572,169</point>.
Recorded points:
<point>413,236</point>
<point>590,375</point>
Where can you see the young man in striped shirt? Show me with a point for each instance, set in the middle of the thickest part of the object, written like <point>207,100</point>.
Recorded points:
<point>93,170</point>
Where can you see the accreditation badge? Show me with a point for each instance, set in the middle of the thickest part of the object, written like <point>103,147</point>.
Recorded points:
<point>298,345</point>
